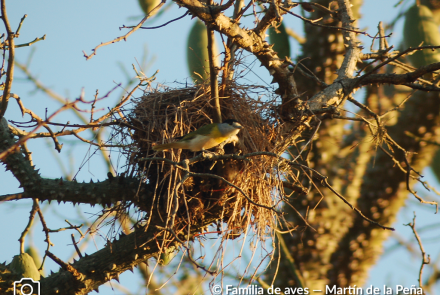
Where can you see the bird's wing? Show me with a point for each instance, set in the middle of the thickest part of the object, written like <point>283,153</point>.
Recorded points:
<point>204,130</point>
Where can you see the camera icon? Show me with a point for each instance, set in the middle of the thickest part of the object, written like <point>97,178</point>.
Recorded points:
<point>28,287</point>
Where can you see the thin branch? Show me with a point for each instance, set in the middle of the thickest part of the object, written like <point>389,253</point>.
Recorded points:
<point>348,118</point>
<point>23,139</point>
<point>124,37</point>
<point>10,70</point>
<point>354,208</point>
<point>28,226</point>
<point>157,27</point>
<point>403,53</point>
<point>187,249</point>
<point>398,106</point>
<point>35,117</point>
<point>67,267</point>
<point>314,23</point>
<point>76,246</point>
<point>20,24</point>
<point>414,193</point>
<point>78,229</point>
<point>321,7</point>
<point>421,139</point>
<point>46,231</point>
<point>99,145</point>
<point>71,105</point>
<point>425,258</point>
<point>80,128</point>
<point>10,197</point>
<point>213,74</point>
<point>300,282</point>
<point>65,228</point>
<point>310,74</point>
<point>236,187</point>
<point>421,87</point>
<point>31,42</point>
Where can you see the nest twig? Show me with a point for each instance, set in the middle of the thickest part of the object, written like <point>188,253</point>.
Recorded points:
<point>162,115</point>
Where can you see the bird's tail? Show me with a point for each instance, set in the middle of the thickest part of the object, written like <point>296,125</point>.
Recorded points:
<point>167,146</point>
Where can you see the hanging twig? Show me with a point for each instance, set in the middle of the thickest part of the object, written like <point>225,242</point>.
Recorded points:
<point>425,258</point>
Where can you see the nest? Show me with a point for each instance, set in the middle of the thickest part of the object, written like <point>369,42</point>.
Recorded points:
<point>162,115</point>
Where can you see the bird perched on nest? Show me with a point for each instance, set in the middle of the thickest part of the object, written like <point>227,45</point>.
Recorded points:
<point>206,137</point>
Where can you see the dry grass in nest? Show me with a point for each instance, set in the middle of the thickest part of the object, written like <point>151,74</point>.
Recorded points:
<point>162,115</point>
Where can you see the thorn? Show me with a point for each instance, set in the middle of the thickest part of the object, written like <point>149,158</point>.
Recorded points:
<point>116,278</point>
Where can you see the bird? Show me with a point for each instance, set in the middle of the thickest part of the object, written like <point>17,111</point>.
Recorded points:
<point>205,137</point>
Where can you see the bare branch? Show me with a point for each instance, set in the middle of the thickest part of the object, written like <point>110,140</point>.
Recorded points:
<point>124,37</point>
<point>425,258</point>
<point>10,70</point>
<point>28,226</point>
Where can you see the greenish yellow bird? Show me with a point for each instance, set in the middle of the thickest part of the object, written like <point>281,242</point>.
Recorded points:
<point>205,137</point>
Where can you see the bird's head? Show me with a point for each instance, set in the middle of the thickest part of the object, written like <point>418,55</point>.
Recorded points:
<point>233,123</point>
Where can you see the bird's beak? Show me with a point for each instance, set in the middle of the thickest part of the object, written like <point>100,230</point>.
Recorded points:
<point>238,125</point>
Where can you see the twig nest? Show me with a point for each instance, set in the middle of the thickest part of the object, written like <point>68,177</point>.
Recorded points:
<point>162,115</point>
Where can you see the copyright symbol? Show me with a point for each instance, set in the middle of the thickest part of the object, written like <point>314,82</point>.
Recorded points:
<point>217,289</point>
